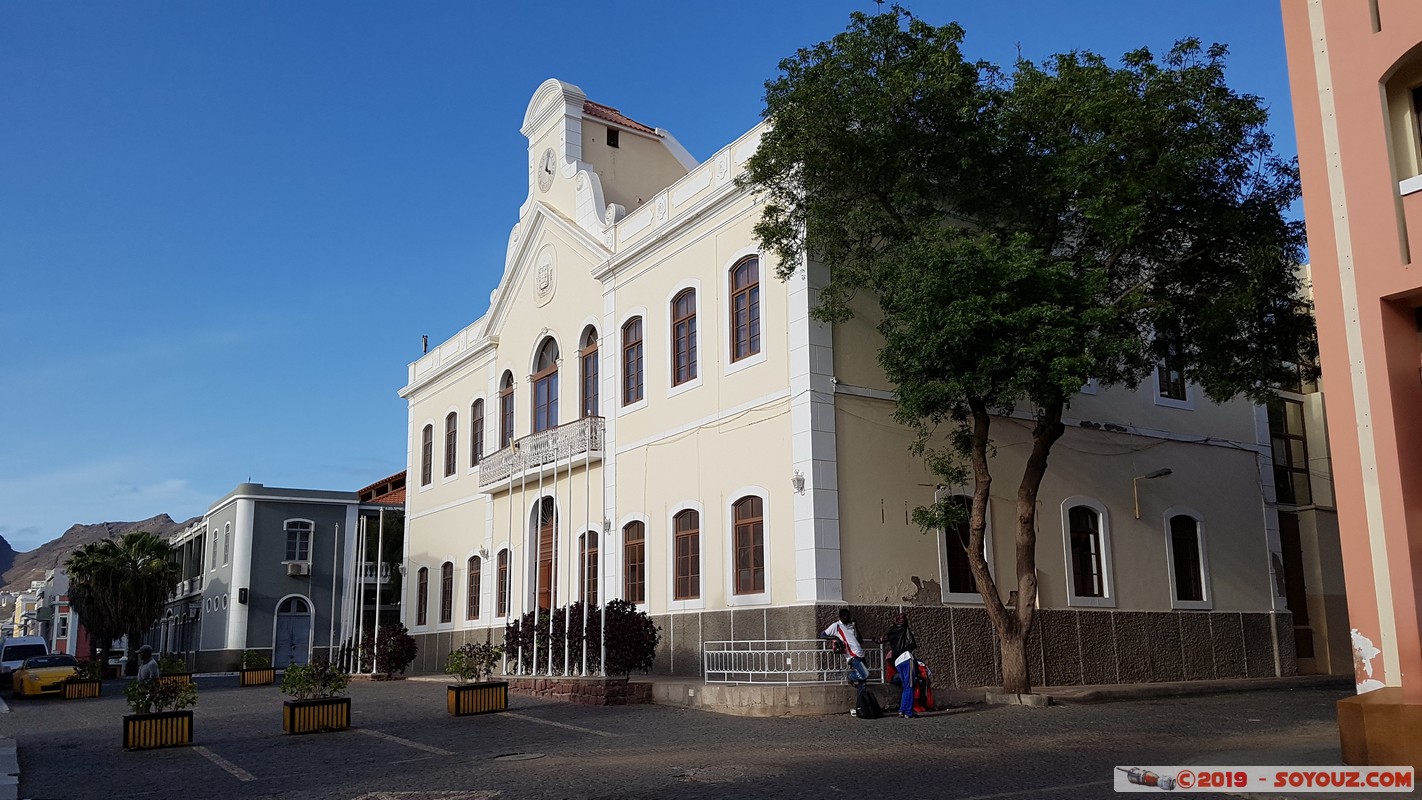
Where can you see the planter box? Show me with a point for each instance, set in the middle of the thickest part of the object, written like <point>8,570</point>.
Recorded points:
<point>256,676</point>
<point>164,729</point>
<point>478,698</point>
<point>312,716</point>
<point>177,677</point>
<point>77,690</point>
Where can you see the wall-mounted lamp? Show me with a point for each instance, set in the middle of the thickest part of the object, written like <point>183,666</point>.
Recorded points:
<point>798,481</point>
<point>1135,493</point>
<point>484,553</point>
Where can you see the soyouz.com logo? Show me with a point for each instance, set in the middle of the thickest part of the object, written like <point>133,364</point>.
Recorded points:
<point>1263,779</point>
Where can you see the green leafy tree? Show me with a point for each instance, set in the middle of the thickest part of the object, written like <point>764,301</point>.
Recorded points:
<point>1026,231</point>
<point>119,586</point>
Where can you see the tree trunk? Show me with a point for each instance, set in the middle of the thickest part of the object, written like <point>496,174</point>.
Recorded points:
<point>1012,626</point>
<point>131,666</point>
<point>1015,678</point>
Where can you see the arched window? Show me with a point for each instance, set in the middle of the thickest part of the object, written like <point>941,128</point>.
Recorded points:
<point>476,432</point>
<point>545,387</point>
<point>687,525</point>
<point>471,601</point>
<point>506,410</point>
<point>634,557</point>
<point>588,357</point>
<point>632,361</point>
<point>587,568</point>
<point>501,585</point>
<point>293,605</point>
<point>749,540</point>
<point>547,566</point>
<point>451,443</point>
<point>959,577</point>
<point>683,337</point>
<point>745,309</point>
<point>446,592</point>
<point>1187,561</point>
<point>422,597</point>
<point>1088,577</point>
<point>427,456</point>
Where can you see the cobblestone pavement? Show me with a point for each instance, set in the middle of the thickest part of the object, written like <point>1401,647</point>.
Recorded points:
<point>404,746</point>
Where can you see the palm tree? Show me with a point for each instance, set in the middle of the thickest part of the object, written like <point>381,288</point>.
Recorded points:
<point>119,586</point>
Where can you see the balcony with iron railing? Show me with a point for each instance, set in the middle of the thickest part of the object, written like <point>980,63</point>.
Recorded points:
<point>531,454</point>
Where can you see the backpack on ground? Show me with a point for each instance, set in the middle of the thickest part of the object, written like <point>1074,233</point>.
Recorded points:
<point>867,706</point>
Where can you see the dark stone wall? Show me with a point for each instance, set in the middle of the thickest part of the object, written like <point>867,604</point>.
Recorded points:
<point>1066,647</point>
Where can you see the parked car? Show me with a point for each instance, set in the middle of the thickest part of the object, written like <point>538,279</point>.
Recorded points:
<point>40,674</point>
<point>15,650</point>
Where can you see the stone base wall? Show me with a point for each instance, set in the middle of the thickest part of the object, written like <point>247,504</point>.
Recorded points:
<point>587,691</point>
<point>1066,647</point>
<point>434,648</point>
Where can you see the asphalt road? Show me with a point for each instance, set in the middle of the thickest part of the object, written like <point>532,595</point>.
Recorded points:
<point>403,746</point>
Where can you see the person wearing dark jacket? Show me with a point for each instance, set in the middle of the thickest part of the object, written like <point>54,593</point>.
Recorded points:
<point>901,646</point>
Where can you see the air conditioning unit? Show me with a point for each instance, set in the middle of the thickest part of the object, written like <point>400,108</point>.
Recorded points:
<point>298,569</point>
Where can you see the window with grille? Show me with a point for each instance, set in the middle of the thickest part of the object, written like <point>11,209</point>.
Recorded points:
<point>684,337</point>
<point>750,545</point>
<point>422,597</point>
<point>446,592</point>
<point>298,540</point>
<point>587,568</point>
<point>501,585</point>
<point>1185,559</point>
<point>471,602</point>
<point>632,390</point>
<point>588,358</point>
<point>634,557</point>
<point>476,433</point>
<point>506,410</point>
<point>451,443</point>
<point>745,309</point>
<point>1088,579</point>
<point>427,455</point>
<point>687,525</point>
<point>1290,447</point>
<point>545,387</point>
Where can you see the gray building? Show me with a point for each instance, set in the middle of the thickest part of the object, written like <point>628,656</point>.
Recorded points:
<point>284,572</point>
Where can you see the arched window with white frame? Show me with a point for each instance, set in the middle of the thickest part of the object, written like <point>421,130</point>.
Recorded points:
<point>1087,539</point>
<point>1187,560</point>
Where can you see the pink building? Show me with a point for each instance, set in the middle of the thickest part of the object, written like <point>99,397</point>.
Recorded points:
<point>1356,72</point>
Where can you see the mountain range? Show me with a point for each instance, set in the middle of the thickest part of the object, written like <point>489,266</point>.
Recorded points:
<point>17,570</point>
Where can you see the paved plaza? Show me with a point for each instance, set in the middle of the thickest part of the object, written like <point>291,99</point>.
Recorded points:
<point>404,746</point>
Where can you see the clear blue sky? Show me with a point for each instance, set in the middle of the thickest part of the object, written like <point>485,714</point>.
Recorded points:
<point>224,226</point>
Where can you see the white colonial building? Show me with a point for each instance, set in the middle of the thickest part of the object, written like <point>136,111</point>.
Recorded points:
<point>646,411</point>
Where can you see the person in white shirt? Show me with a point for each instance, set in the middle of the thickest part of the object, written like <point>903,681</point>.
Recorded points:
<point>147,668</point>
<point>844,632</point>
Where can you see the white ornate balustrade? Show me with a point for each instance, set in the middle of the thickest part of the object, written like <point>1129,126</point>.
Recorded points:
<point>570,442</point>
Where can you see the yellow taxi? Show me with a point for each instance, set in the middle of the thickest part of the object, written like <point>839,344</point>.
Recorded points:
<point>40,674</point>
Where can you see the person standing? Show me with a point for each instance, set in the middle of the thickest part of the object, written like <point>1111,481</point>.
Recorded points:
<point>901,646</point>
<point>147,667</point>
<point>845,633</point>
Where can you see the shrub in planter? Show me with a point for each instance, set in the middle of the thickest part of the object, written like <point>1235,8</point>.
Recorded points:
<point>316,704</point>
<point>476,661</point>
<point>397,649</point>
<point>160,717</point>
<point>87,681</point>
<point>256,669</point>
<point>173,668</point>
